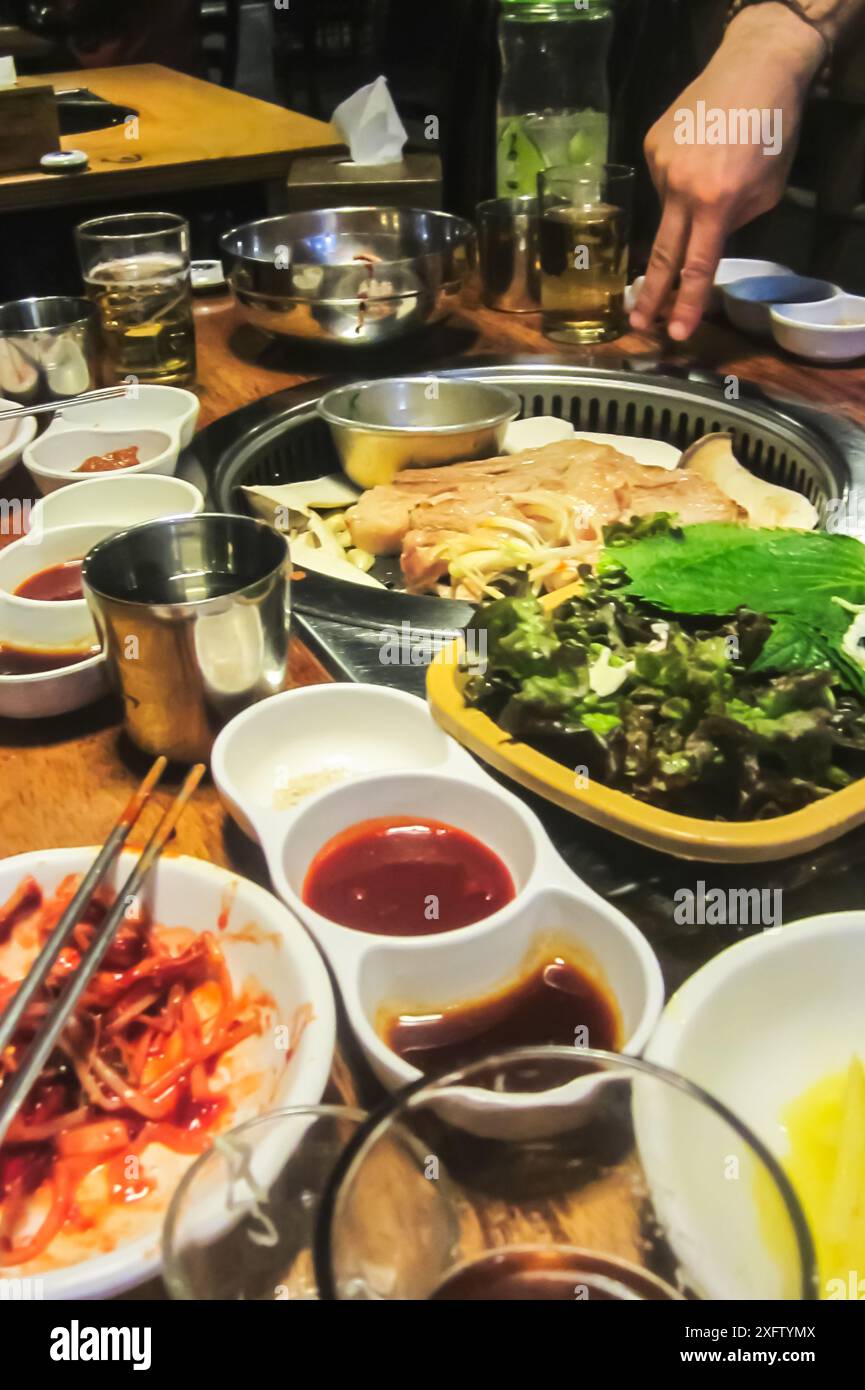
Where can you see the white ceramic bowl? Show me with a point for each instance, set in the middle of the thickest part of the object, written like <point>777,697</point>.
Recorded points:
<point>441,975</point>
<point>48,693</point>
<point>120,502</point>
<point>479,808</point>
<point>53,459</point>
<point>15,435</point>
<point>375,970</point>
<point>756,1027</point>
<point>382,754</point>
<point>747,302</point>
<point>732,268</point>
<point>278,955</point>
<point>61,623</point>
<point>832,331</point>
<point>277,753</point>
<point>166,408</point>
<point>765,1019</point>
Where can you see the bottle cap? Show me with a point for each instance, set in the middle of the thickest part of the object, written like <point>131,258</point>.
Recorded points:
<point>64,161</point>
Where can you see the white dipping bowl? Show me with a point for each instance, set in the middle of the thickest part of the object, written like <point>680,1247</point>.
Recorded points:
<point>262,942</point>
<point>737,268</point>
<point>121,502</point>
<point>831,331</point>
<point>278,753</point>
<point>15,435</point>
<point>53,460</point>
<point>445,973</point>
<point>45,694</point>
<point>61,623</point>
<point>481,809</point>
<point>153,407</point>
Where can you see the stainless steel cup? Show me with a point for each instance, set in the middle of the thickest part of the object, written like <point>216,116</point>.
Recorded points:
<point>49,348</point>
<point>193,614</point>
<point>509,248</point>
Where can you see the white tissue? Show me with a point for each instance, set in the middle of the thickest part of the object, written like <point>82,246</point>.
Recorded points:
<point>370,125</point>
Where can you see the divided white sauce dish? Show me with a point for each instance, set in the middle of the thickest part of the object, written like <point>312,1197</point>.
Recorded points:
<point>441,782</point>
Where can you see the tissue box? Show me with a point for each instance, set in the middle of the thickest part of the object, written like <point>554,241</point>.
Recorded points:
<point>333,181</point>
<point>28,127</point>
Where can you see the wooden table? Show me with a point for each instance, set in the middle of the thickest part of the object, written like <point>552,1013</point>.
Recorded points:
<point>190,134</point>
<point>63,781</point>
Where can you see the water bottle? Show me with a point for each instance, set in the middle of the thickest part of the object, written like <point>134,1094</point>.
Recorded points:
<point>554,96</point>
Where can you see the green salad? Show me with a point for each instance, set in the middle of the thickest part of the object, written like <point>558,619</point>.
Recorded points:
<point>711,670</point>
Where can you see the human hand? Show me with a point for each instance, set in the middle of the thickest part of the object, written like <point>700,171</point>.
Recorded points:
<point>766,63</point>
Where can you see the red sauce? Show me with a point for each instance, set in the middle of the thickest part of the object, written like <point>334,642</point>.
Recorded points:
<point>108,462</point>
<point>56,584</point>
<point>24,661</point>
<point>404,876</point>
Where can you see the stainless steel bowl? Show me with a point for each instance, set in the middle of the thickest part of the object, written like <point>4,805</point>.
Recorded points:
<point>380,427</point>
<point>354,276</point>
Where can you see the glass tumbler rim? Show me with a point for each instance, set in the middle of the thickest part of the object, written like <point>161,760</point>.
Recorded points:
<point>92,228</point>
<point>176,1283</point>
<point>377,1120</point>
<point>582,173</point>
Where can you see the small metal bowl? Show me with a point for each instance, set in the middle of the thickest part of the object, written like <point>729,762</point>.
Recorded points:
<point>381,427</point>
<point>352,276</point>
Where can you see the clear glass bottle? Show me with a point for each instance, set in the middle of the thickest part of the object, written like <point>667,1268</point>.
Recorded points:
<point>554,96</point>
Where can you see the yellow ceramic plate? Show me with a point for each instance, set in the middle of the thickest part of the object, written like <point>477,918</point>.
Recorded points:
<point>732,842</point>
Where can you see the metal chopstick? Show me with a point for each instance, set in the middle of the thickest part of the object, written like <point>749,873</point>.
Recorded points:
<point>14,1012</point>
<point>21,412</point>
<point>15,1092</point>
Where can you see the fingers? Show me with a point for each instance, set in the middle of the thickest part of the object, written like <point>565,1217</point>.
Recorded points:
<point>705,245</point>
<point>667,256</point>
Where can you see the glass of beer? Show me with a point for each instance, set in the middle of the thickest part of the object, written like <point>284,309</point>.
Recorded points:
<point>136,270</point>
<point>584,232</point>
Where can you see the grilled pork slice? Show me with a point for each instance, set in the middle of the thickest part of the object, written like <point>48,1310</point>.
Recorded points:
<point>382,516</point>
<point>424,507</point>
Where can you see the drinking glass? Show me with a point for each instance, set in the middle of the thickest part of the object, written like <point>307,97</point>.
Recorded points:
<point>584,234</point>
<point>136,270</point>
<point>509,254</point>
<point>563,1174</point>
<point>240,1224</point>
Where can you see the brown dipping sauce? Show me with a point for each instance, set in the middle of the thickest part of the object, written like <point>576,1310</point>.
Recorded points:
<point>108,462</point>
<point>546,1004</point>
<point>35,661</point>
<point>56,584</point>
